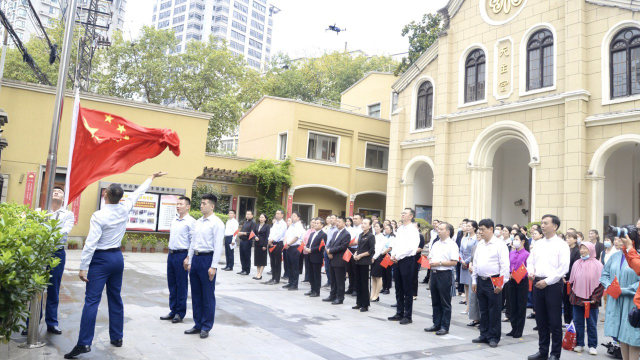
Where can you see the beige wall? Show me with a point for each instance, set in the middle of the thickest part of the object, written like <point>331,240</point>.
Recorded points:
<point>374,87</point>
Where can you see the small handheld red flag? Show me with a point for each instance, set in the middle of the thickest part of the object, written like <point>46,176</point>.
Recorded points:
<point>352,242</point>
<point>236,233</point>
<point>614,289</point>
<point>252,235</point>
<point>386,261</point>
<point>498,281</point>
<point>530,285</point>
<point>587,309</point>
<point>321,245</point>
<point>568,288</point>
<point>424,262</point>
<point>272,248</point>
<point>519,274</point>
<point>347,255</point>
<point>300,248</point>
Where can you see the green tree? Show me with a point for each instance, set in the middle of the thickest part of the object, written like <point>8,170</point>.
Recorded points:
<point>271,178</point>
<point>421,35</point>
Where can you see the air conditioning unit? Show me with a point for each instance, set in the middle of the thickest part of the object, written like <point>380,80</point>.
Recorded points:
<point>610,219</point>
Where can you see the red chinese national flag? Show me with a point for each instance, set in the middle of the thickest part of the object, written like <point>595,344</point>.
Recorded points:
<point>587,309</point>
<point>236,233</point>
<point>106,144</point>
<point>568,288</point>
<point>386,261</point>
<point>301,248</point>
<point>498,281</point>
<point>519,274</point>
<point>352,242</point>
<point>321,245</point>
<point>424,262</point>
<point>252,235</point>
<point>347,256</point>
<point>614,289</point>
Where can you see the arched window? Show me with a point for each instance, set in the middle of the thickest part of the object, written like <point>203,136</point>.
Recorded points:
<point>540,60</point>
<point>474,76</point>
<point>424,113</point>
<point>625,63</point>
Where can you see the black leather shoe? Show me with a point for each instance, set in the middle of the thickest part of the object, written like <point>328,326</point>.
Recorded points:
<point>77,350</point>
<point>553,357</point>
<point>510,333</point>
<point>385,291</point>
<point>364,309</point>
<point>305,281</point>
<point>537,356</point>
<point>192,331</point>
<point>228,269</point>
<point>531,316</point>
<point>480,340</point>
<point>292,288</point>
<point>405,321</point>
<point>357,307</point>
<point>24,332</point>
<point>116,343</point>
<point>348,292</point>
<point>493,344</point>
<point>204,334</point>
<point>54,330</point>
<point>337,302</point>
<point>441,332</point>
<point>432,329</point>
<point>535,328</point>
<point>395,317</point>
<point>241,273</point>
<point>328,299</point>
<point>327,285</point>
<point>286,286</point>
<point>314,295</point>
<point>169,316</point>
<point>308,293</point>
<point>474,323</point>
<point>176,319</point>
<point>269,282</point>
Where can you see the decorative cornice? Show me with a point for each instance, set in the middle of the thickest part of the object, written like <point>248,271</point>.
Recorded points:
<point>417,143</point>
<point>319,162</point>
<point>230,176</point>
<point>373,138</point>
<point>324,128</point>
<point>633,5</point>
<point>416,68</point>
<point>612,118</point>
<point>230,157</point>
<point>378,171</point>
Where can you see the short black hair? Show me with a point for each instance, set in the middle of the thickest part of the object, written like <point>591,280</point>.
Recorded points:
<point>321,220</point>
<point>359,214</point>
<point>249,210</point>
<point>231,211</point>
<point>277,211</point>
<point>413,213</point>
<point>451,230</point>
<point>114,193</point>
<point>186,199</point>
<point>340,217</point>
<point>210,197</point>
<point>488,223</point>
<point>554,219</point>
<point>497,226</point>
<point>522,237</point>
<point>296,214</point>
<point>474,224</point>
<point>465,220</point>
<point>507,227</point>
<point>367,219</point>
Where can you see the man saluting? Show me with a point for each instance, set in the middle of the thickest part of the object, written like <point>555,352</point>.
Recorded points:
<point>102,263</point>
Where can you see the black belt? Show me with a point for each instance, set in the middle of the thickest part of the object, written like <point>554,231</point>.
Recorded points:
<point>108,250</point>
<point>178,251</point>
<point>485,278</point>
<point>440,271</point>
<point>196,252</point>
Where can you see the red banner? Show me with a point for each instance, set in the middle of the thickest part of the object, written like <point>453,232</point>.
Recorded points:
<point>234,204</point>
<point>28,188</point>
<point>350,208</point>
<point>75,208</point>
<point>289,205</point>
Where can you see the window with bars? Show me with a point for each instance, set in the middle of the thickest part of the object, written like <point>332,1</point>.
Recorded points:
<point>474,76</point>
<point>424,103</point>
<point>625,63</point>
<point>540,60</point>
<point>322,147</point>
<point>377,157</point>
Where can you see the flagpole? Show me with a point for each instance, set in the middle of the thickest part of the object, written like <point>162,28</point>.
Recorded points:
<point>52,157</point>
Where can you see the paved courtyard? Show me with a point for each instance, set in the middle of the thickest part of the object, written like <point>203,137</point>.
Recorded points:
<point>255,321</point>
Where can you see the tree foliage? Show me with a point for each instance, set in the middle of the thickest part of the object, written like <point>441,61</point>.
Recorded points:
<point>271,178</point>
<point>421,35</point>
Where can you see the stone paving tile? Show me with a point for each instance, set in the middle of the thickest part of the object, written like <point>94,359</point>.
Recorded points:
<point>256,321</point>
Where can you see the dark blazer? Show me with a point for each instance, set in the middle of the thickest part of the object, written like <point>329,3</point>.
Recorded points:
<point>366,243</point>
<point>316,255</point>
<point>263,235</point>
<point>248,227</point>
<point>338,246</point>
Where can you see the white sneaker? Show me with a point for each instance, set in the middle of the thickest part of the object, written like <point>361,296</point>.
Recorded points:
<point>593,351</point>
<point>464,312</point>
<point>578,349</point>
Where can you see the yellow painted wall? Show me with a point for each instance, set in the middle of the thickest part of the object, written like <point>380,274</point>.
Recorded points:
<point>374,87</point>
<point>323,199</point>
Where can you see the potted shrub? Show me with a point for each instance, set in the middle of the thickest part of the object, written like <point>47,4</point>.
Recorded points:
<point>133,239</point>
<point>144,242</point>
<point>165,244</point>
<point>72,244</point>
<point>152,241</point>
<point>123,243</point>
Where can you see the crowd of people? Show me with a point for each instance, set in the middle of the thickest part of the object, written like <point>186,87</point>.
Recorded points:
<point>494,268</point>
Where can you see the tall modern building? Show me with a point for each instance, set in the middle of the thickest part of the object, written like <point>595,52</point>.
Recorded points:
<point>246,25</point>
<point>49,11</point>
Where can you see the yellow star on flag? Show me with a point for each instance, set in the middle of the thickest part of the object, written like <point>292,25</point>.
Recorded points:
<point>108,118</point>
<point>120,128</point>
<point>126,137</point>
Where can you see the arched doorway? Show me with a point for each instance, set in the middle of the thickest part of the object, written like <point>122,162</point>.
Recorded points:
<point>503,162</point>
<point>312,200</point>
<point>417,184</point>
<point>615,185</point>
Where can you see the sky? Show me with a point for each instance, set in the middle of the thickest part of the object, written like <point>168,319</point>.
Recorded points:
<point>373,26</point>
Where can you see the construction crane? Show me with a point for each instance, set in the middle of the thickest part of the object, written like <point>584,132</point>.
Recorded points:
<point>95,23</point>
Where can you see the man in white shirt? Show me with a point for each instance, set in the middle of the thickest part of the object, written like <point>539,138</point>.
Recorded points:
<point>177,275</point>
<point>355,232</point>
<point>443,258</point>
<point>101,263</point>
<point>292,239</point>
<point>276,239</point>
<point>207,239</point>
<point>491,260</point>
<point>547,264</point>
<point>403,249</point>
<point>229,239</point>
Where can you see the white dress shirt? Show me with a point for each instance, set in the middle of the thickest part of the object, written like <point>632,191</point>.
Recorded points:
<point>108,225</point>
<point>180,233</point>
<point>381,242</point>
<point>549,259</point>
<point>208,235</point>
<point>276,234</point>
<point>406,242</point>
<point>490,259</point>
<point>230,227</point>
<point>444,250</point>
<point>330,231</point>
<point>355,232</point>
<point>65,224</point>
<point>295,231</point>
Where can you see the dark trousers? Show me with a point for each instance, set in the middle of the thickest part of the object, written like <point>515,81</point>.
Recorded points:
<point>301,263</point>
<point>592,326</point>
<point>307,267</point>
<point>203,292</point>
<point>228,251</point>
<point>460,287</point>
<point>105,269</point>
<point>363,285</point>
<point>245,255</point>
<point>440,287</point>
<point>403,273</point>
<point>490,306</point>
<point>386,278</point>
<point>285,262</point>
<point>518,304</point>
<point>353,274</point>
<point>327,267</point>
<point>506,302</point>
<point>53,290</point>
<point>315,276</point>
<point>567,308</point>
<point>276,262</point>
<point>178,281</point>
<point>293,258</point>
<point>415,276</point>
<point>548,307</point>
<point>337,282</point>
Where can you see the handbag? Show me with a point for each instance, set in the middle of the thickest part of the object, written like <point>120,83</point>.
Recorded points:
<point>634,317</point>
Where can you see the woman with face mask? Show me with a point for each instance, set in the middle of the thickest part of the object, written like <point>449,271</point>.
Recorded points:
<point>518,292</point>
<point>467,244</point>
<point>609,249</point>
<point>594,237</point>
<point>586,294</point>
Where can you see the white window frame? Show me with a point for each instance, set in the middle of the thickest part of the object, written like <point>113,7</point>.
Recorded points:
<point>306,153</point>
<point>522,72</point>
<point>414,105</point>
<point>461,75</point>
<point>606,59</point>
<point>313,209</point>
<point>286,145</point>
<point>366,145</point>
<point>379,111</point>
<point>380,210</point>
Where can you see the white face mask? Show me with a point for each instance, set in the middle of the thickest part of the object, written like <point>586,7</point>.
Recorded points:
<point>607,243</point>
<point>497,233</point>
<point>517,243</point>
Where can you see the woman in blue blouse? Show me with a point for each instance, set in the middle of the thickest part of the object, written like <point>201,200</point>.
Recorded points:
<point>466,246</point>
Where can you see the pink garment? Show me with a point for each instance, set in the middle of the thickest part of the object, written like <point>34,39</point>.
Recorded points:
<point>585,274</point>
<point>306,236</point>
